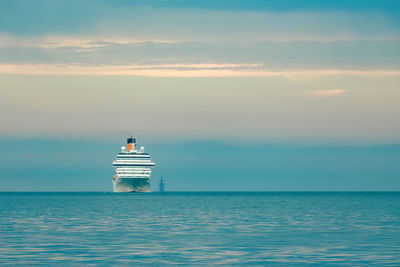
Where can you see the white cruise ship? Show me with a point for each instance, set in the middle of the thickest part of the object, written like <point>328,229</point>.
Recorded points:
<point>132,169</point>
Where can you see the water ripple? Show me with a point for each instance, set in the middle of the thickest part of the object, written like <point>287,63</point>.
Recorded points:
<point>353,229</point>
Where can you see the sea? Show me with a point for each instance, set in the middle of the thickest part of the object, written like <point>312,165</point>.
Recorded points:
<point>200,228</point>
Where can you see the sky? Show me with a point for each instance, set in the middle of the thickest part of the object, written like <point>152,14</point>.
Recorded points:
<point>318,80</point>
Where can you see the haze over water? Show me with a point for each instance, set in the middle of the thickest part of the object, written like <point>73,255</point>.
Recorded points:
<point>200,228</point>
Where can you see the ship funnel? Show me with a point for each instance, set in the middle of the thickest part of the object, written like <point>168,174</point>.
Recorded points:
<point>131,142</point>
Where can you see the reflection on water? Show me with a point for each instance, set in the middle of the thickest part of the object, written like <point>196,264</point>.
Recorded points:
<point>200,228</point>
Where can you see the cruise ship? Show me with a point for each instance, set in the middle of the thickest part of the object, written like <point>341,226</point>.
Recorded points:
<point>132,169</point>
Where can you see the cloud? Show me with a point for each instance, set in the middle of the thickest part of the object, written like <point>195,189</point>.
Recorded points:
<point>180,70</point>
<point>54,41</point>
<point>326,93</point>
<point>117,37</point>
<point>65,50</point>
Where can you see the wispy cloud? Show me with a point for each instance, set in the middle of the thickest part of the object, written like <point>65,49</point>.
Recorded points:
<point>184,70</point>
<point>275,56</point>
<point>51,41</point>
<point>326,93</point>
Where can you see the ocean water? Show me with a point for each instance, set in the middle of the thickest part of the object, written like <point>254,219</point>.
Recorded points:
<point>286,229</point>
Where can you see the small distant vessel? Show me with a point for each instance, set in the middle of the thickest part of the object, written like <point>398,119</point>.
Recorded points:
<point>132,169</point>
<point>162,185</point>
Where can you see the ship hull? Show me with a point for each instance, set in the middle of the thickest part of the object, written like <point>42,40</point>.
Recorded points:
<point>131,185</point>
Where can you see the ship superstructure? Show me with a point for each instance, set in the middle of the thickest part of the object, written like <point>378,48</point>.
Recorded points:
<point>132,169</point>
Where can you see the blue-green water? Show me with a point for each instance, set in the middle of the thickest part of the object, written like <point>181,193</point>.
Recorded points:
<point>200,228</point>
